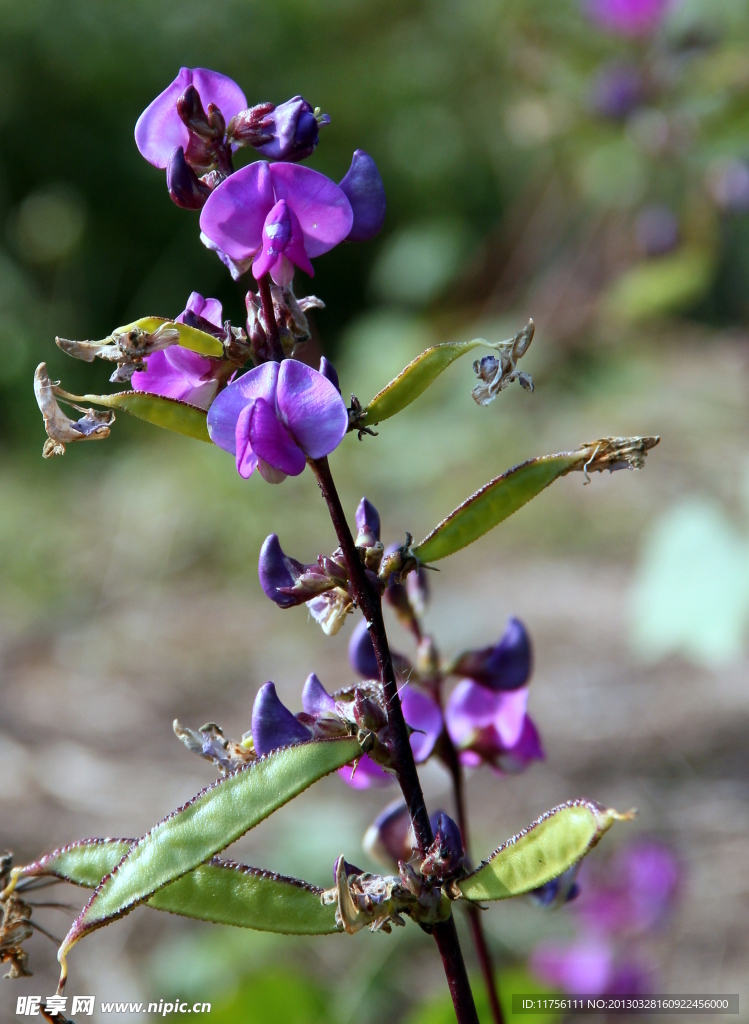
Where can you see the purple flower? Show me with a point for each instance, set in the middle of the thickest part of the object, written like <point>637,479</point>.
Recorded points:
<point>586,965</point>
<point>389,838</point>
<point>273,725</point>
<point>160,129</point>
<point>278,572</point>
<point>186,190</point>
<point>422,713</point>
<point>278,215</point>
<point>275,417</point>
<point>492,727</point>
<point>366,774</point>
<point>366,193</point>
<point>361,655</point>
<point>286,132</point>
<point>367,524</point>
<point>616,91</point>
<point>560,890</point>
<point>628,17</point>
<point>176,372</point>
<point>315,698</point>
<point>445,856</point>
<point>505,666</point>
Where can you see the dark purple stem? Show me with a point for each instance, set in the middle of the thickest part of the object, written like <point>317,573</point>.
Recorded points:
<point>269,316</point>
<point>368,600</point>
<point>450,757</point>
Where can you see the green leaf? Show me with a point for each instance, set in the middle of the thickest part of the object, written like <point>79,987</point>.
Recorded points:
<point>169,413</point>
<point>542,851</point>
<point>507,493</point>
<point>661,286</point>
<point>220,891</point>
<point>206,825</point>
<point>414,380</point>
<point>189,337</point>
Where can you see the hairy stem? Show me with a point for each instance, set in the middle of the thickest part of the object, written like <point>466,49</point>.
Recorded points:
<point>368,600</point>
<point>269,316</point>
<point>450,757</point>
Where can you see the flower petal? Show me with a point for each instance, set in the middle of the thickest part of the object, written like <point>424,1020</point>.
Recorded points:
<point>315,698</point>
<point>246,459</point>
<point>367,774</point>
<point>282,236</point>
<point>223,414</point>
<point>235,211</point>
<point>271,442</point>
<point>323,210</point>
<point>159,129</point>
<point>366,193</point>
<point>209,309</point>
<point>181,374</point>
<point>510,716</point>
<point>273,725</point>
<point>277,569</point>
<point>311,408</point>
<point>421,712</point>
<point>213,87</point>
<point>470,707</point>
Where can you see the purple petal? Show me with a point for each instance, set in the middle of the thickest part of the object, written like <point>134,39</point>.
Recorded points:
<point>584,966</point>
<point>246,459</point>
<point>329,372</point>
<point>224,413</point>
<point>447,834</point>
<point>235,211</point>
<point>214,87</point>
<point>509,719</point>
<point>368,520</point>
<point>311,408</point>
<point>209,309</point>
<point>159,129</point>
<point>294,128</point>
<point>421,712</point>
<point>388,838</point>
<point>282,236</point>
<point>323,210</point>
<point>650,875</point>
<point>185,189</point>
<point>361,653</point>
<point>367,774</point>
<point>315,698</point>
<point>528,748</point>
<point>505,666</point>
<point>270,440</point>
<point>178,373</point>
<point>470,707</point>
<point>366,193</point>
<point>273,725</point>
<point>277,570</point>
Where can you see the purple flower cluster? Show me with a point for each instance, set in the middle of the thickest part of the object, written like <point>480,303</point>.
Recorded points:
<point>615,915</point>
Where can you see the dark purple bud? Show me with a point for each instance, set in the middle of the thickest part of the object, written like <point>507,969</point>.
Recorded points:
<point>209,125</point>
<point>506,666</point>
<point>368,524</point>
<point>273,725</point>
<point>445,856</point>
<point>389,838</point>
<point>276,571</point>
<point>616,91</point>
<point>365,191</point>
<point>287,132</point>
<point>328,371</point>
<point>361,655</point>
<point>367,714</point>
<point>315,698</point>
<point>656,230</point>
<point>558,891</point>
<point>185,188</point>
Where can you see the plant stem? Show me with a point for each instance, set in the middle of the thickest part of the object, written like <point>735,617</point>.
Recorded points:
<point>368,600</point>
<point>450,757</point>
<point>269,316</point>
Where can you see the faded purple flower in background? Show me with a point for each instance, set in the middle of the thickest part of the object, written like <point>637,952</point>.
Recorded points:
<point>628,17</point>
<point>278,215</point>
<point>506,665</point>
<point>616,91</point>
<point>275,417</point>
<point>492,728</point>
<point>160,129</point>
<point>728,184</point>
<point>656,230</point>
<point>176,372</point>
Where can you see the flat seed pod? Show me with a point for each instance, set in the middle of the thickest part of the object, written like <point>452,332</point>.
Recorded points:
<point>414,380</point>
<point>205,825</point>
<point>220,891</point>
<point>507,493</point>
<point>169,413</point>
<point>542,851</point>
<point>189,337</point>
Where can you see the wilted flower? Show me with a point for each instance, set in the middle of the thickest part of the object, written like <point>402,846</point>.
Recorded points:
<point>495,373</point>
<point>209,742</point>
<point>505,666</point>
<point>628,17</point>
<point>289,131</point>
<point>61,429</point>
<point>276,417</point>
<point>492,727</point>
<point>278,216</point>
<point>160,129</point>
<point>177,372</point>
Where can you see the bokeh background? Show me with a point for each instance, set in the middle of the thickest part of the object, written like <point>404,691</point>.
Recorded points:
<point>538,160</point>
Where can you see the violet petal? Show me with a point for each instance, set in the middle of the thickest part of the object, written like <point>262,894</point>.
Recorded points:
<point>246,459</point>
<point>235,211</point>
<point>277,570</point>
<point>315,698</point>
<point>421,712</point>
<point>209,309</point>
<point>365,191</point>
<point>271,442</point>
<point>323,209</point>
<point>329,372</point>
<point>361,653</point>
<point>368,519</point>
<point>273,725</point>
<point>311,408</point>
<point>259,382</point>
<point>388,838</point>
<point>282,236</point>
<point>367,774</point>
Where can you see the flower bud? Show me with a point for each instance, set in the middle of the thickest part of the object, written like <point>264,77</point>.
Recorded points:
<point>368,524</point>
<point>245,128</point>
<point>329,372</point>
<point>186,190</point>
<point>278,573</point>
<point>506,666</point>
<point>389,839</point>
<point>208,126</point>
<point>367,714</point>
<point>315,698</point>
<point>287,132</point>
<point>273,725</point>
<point>444,857</point>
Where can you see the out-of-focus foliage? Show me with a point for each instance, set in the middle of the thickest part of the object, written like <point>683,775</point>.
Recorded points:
<point>528,156</point>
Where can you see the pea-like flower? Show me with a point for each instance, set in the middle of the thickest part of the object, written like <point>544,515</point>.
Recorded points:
<point>289,131</point>
<point>492,728</point>
<point>176,372</point>
<point>276,417</point>
<point>160,129</point>
<point>506,665</point>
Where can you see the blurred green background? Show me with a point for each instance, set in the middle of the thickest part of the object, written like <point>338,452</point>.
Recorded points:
<point>534,165</point>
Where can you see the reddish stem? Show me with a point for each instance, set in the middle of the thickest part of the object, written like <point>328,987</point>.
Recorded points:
<point>269,317</point>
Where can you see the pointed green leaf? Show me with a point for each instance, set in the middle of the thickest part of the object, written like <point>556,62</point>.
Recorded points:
<point>542,851</point>
<point>507,493</point>
<point>169,413</point>
<point>206,825</point>
<point>220,891</point>
<point>414,380</point>
<point>189,337</point>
